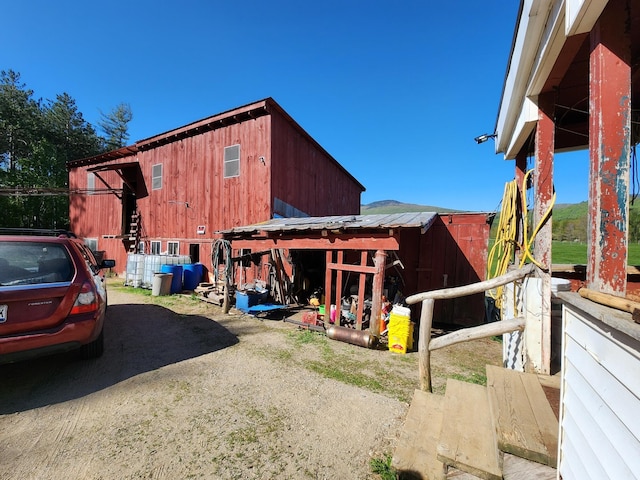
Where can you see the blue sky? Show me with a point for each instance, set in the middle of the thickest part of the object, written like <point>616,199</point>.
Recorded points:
<point>395,91</point>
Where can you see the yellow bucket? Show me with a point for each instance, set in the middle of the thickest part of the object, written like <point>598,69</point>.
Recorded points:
<point>400,330</point>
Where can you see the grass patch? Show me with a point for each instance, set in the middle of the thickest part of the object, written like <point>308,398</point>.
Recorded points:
<point>344,375</point>
<point>382,467</point>
<point>575,253</point>
<point>472,377</point>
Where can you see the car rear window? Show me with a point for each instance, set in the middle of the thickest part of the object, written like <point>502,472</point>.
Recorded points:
<point>27,263</point>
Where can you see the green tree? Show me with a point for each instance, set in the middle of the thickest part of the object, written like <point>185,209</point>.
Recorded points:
<point>20,117</point>
<point>115,126</point>
<point>634,225</point>
<point>36,142</point>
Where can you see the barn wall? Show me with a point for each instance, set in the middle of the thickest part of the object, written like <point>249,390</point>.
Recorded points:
<point>452,253</point>
<point>193,174</point>
<point>195,193</point>
<point>99,215</point>
<point>307,177</point>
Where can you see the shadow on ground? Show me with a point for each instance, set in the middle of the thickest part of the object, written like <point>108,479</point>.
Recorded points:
<point>138,339</point>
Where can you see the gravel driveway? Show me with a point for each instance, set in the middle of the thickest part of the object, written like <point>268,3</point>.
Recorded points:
<point>184,391</point>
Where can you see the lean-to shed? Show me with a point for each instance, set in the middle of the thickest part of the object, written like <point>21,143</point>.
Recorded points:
<point>573,82</point>
<point>170,192</point>
<point>372,255</point>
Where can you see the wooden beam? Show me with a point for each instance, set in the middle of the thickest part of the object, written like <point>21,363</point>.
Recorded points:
<point>475,333</point>
<point>364,255</point>
<point>380,262</point>
<point>346,267</point>
<point>340,242</point>
<point>327,291</point>
<point>478,287</point>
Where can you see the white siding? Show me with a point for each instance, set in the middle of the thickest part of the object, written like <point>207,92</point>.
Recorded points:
<point>599,425</point>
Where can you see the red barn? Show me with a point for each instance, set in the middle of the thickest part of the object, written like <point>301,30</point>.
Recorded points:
<point>169,193</point>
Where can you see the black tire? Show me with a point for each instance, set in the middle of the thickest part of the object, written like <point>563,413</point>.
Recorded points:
<point>94,349</point>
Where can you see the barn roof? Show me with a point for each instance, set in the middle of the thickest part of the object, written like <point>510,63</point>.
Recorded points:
<point>422,220</point>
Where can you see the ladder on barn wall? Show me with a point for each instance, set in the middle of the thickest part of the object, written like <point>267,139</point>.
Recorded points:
<point>134,232</point>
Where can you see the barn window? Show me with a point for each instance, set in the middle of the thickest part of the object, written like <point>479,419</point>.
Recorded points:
<point>232,161</point>
<point>156,177</point>
<point>91,183</point>
<point>155,247</point>
<point>173,247</point>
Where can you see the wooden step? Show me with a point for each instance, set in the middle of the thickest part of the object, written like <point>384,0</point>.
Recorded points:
<point>415,454</point>
<point>467,441</point>
<point>525,422</point>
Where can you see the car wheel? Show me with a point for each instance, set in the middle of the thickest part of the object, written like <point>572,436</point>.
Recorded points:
<point>93,349</point>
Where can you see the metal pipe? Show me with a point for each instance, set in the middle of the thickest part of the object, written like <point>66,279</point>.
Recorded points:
<point>361,338</point>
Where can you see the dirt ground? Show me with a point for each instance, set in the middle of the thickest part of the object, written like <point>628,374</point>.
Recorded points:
<point>184,391</point>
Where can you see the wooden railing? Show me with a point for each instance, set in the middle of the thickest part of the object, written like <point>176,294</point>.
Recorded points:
<point>426,345</point>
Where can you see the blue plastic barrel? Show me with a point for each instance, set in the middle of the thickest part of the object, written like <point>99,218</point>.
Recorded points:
<point>176,281</point>
<point>192,275</point>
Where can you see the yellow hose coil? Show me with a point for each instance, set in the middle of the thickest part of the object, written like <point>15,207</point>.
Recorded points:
<point>502,254</point>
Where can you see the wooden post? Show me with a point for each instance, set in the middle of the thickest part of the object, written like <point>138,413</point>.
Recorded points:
<point>338,300</point>
<point>424,355</point>
<point>538,331</point>
<point>380,262</point>
<point>609,149</point>
<point>327,289</point>
<point>521,170</point>
<point>361,287</point>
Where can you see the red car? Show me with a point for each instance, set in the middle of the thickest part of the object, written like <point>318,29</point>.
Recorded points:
<point>53,296</point>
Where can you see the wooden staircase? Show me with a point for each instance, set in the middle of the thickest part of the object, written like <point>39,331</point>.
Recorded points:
<point>506,430</point>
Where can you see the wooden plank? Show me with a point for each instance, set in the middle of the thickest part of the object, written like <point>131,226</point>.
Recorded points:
<point>474,333</point>
<point>467,441</point>
<point>525,422</point>
<point>517,468</point>
<point>415,455</point>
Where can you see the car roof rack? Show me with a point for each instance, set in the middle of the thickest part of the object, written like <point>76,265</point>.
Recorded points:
<point>49,232</point>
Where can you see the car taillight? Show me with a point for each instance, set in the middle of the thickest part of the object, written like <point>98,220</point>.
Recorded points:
<point>87,300</point>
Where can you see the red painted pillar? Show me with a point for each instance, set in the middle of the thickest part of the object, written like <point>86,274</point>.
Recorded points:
<point>609,149</point>
<point>543,178</point>
<point>538,341</point>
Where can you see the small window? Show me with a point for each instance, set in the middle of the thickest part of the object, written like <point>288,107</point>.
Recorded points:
<point>92,243</point>
<point>156,177</point>
<point>141,247</point>
<point>232,161</point>
<point>173,248</point>
<point>91,183</point>
<point>245,256</point>
<point>155,247</point>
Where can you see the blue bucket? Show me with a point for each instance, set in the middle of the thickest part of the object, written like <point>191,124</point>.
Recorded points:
<point>192,275</point>
<point>176,281</point>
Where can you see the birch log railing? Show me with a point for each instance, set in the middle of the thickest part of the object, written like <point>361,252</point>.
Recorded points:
<point>426,345</point>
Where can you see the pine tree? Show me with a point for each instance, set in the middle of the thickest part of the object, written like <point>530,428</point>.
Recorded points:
<point>36,142</point>
<point>115,126</point>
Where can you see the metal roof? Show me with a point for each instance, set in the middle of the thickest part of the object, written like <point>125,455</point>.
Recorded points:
<point>422,220</point>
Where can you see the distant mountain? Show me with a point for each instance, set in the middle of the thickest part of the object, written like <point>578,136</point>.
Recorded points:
<point>393,206</point>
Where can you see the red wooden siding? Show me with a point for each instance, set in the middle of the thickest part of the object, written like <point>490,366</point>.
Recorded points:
<point>194,191</point>
<point>307,177</point>
<point>452,253</point>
